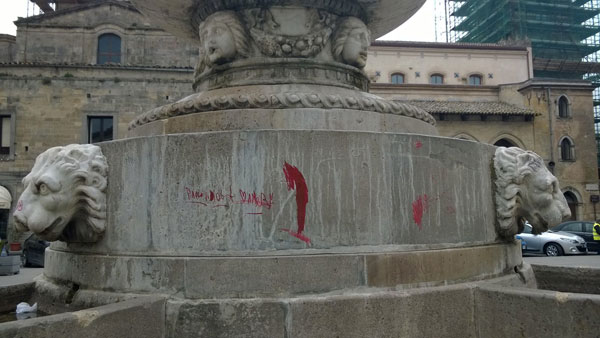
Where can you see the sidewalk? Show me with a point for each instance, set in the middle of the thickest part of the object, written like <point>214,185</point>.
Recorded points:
<point>25,275</point>
<point>587,261</point>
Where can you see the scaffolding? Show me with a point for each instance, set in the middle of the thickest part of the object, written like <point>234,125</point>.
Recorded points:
<point>559,32</point>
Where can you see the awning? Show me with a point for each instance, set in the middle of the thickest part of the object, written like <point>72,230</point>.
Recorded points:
<point>5,198</point>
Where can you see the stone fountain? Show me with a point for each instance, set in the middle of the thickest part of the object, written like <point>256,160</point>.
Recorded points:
<point>283,200</point>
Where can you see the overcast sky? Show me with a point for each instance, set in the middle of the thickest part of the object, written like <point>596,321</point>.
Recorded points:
<point>421,27</point>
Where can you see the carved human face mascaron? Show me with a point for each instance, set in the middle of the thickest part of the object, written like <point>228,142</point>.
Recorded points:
<point>355,50</point>
<point>218,42</point>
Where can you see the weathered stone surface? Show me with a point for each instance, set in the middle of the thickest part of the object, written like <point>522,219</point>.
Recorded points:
<point>226,319</point>
<point>282,273</point>
<point>122,274</point>
<point>519,312</point>
<point>563,279</point>
<point>441,266</point>
<point>363,189</point>
<point>272,276</point>
<point>437,312</point>
<point>141,317</point>
<point>294,119</point>
<point>14,294</point>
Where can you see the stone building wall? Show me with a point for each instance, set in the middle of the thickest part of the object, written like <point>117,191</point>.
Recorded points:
<point>8,48</point>
<point>580,173</point>
<point>71,37</point>
<point>49,106</point>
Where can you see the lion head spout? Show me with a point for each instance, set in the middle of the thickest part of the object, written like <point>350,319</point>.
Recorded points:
<point>526,190</point>
<point>64,197</point>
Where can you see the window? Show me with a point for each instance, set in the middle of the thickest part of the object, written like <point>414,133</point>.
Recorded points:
<point>563,107</point>
<point>587,227</point>
<point>5,134</point>
<point>397,78</point>
<point>572,202</point>
<point>4,216</point>
<point>475,80</point>
<point>436,79</point>
<point>572,227</point>
<point>505,143</point>
<point>566,150</point>
<point>100,129</point>
<point>109,49</point>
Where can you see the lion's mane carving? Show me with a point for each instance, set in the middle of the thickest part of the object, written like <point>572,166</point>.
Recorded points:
<point>64,197</point>
<point>526,190</point>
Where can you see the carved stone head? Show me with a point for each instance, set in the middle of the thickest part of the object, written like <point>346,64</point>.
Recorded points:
<point>351,42</point>
<point>223,39</point>
<point>526,190</point>
<point>64,197</point>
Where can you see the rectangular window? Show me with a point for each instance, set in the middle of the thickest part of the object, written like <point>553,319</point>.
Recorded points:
<point>5,138</point>
<point>100,129</point>
<point>4,216</point>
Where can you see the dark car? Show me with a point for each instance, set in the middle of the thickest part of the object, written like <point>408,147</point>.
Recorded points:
<point>583,229</point>
<point>33,251</point>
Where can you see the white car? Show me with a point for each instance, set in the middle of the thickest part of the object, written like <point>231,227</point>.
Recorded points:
<point>551,243</point>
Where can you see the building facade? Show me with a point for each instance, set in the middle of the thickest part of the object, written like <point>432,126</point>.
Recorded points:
<point>487,93</point>
<point>77,75</point>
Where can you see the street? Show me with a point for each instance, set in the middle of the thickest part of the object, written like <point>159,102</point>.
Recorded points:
<point>25,275</point>
<point>590,260</point>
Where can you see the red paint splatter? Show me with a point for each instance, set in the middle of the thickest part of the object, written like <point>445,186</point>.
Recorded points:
<point>419,206</point>
<point>418,145</point>
<point>20,205</point>
<point>295,181</point>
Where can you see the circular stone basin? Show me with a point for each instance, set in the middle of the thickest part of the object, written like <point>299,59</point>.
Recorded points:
<point>177,16</point>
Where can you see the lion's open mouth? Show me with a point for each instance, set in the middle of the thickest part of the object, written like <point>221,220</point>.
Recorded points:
<point>48,233</point>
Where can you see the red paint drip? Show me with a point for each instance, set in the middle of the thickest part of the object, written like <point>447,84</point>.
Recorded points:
<point>419,206</point>
<point>295,181</point>
<point>418,145</point>
<point>297,235</point>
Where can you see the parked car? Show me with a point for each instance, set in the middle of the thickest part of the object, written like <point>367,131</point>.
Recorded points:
<point>551,243</point>
<point>583,229</point>
<point>33,251</point>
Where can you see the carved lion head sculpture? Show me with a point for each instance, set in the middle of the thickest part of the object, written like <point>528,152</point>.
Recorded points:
<point>526,190</point>
<point>64,197</point>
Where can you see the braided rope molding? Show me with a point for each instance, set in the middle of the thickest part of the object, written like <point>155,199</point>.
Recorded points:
<point>200,104</point>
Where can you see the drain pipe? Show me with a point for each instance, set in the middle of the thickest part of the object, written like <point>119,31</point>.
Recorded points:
<point>551,164</point>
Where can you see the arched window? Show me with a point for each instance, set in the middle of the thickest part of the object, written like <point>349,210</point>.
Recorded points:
<point>109,49</point>
<point>572,202</point>
<point>475,80</point>
<point>563,107</point>
<point>567,150</point>
<point>505,143</point>
<point>397,78</point>
<point>436,79</point>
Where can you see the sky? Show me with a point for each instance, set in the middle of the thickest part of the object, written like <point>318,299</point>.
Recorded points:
<point>421,27</point>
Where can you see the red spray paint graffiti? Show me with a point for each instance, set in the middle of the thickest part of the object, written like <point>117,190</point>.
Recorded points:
<point>220,198</point>
<point>295,181</point>
<point>419,206</point>
<point>418,144</point>
<point>20,205</point>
